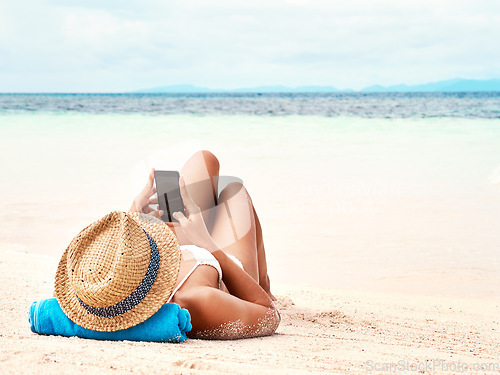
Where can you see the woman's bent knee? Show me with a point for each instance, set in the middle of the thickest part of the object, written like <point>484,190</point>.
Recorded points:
<point>211,161</point>
<point>231,190</point>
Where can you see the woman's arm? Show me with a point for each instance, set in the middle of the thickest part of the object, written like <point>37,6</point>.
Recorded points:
<point>246,312</point>
<point>219,315</point>
<point>239,283</point>
<point>146,197</point>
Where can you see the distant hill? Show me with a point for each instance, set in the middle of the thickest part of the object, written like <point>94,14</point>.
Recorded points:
<point>175,89</point>
<point>452,85</point>
<point>259,89</point>
<point>280,88</point>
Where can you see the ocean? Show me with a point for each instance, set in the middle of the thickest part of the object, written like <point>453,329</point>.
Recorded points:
<point>395,192</point>
<point>368,105</point>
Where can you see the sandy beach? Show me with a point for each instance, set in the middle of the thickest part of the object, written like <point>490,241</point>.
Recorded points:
<point>322,331</point>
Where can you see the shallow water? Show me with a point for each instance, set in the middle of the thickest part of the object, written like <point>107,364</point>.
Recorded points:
<point>344,201</point>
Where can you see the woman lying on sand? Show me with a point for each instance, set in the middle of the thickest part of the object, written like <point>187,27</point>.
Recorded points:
<point>223,280</point>
<point>120,270</point>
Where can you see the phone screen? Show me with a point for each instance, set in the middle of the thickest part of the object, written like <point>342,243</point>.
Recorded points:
<point>169,194</point>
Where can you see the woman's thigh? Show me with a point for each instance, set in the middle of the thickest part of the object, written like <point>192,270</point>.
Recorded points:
<point>234,227</point>
<point>200,174</point>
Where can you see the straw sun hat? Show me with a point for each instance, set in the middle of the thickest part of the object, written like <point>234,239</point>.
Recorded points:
<point>118,271</point>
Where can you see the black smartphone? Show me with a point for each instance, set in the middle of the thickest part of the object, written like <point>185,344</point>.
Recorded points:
<point>169,194</point>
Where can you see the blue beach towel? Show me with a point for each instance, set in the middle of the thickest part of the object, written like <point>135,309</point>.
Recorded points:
<point>170,324</point>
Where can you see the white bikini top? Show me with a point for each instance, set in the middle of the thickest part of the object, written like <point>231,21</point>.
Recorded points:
<point>203,257</point>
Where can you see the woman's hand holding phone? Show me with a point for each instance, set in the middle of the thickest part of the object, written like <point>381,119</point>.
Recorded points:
<point>146,197</point>
<point>192,224</point>
<point>190,230</point>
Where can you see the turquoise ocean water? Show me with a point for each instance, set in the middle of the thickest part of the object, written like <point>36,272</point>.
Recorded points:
<point>398,192</point>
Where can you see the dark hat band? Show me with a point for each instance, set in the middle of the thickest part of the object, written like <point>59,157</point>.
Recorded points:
<point>137,295</point>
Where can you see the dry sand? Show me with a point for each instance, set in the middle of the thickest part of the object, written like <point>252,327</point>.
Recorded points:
<point>322,331</point>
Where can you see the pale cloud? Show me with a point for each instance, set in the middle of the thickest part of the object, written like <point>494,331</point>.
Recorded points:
<point>124,45</point>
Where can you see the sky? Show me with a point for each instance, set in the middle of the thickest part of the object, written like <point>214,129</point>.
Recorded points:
<point>125,45</point>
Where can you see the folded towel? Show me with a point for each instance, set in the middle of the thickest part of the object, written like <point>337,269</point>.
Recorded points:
<point>170,323</point>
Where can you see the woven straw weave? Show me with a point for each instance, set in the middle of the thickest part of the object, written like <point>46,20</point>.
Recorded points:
<point>107,261</point>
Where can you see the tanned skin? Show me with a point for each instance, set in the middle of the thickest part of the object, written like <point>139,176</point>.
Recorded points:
<point>225,224</point>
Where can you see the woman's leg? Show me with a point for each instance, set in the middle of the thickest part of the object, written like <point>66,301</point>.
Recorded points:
<point>234,227</point>
<point>264,281</point>
<point>199,173</point>
<point>238,231</point>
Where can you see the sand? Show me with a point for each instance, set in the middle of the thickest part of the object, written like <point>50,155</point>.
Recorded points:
<point>322,331</point>
<point>402,211</point>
